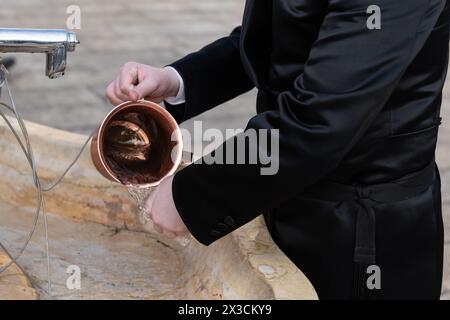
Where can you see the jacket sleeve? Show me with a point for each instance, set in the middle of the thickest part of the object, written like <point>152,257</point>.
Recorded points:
<point>349,76</point>
<point>211,76</point>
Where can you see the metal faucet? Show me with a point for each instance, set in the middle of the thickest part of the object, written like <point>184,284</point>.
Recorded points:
<point>55,43</point>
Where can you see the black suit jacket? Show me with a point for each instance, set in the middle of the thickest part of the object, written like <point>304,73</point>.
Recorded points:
<point>353,105</point>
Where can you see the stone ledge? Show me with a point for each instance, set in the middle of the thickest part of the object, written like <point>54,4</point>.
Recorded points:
<point>14,285</point>
<point>245,264</point>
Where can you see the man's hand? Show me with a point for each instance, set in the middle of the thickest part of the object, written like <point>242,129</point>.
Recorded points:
<point>138,81</point>
<point>163,212</point>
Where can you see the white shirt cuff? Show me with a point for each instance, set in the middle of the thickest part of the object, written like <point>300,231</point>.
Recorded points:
<point>180,98</point>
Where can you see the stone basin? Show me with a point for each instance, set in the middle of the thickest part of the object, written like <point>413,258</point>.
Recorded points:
<point>94,225</point>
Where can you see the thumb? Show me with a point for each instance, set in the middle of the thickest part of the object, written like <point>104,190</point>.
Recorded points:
<point>143,89</point>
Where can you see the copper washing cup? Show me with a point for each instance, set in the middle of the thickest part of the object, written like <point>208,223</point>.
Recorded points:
<point>138,144</point>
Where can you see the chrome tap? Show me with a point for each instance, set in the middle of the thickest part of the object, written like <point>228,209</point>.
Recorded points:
<point>55,43</point>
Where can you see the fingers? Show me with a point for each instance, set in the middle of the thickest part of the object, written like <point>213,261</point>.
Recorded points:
<point>129,77</point>
<point>120,90</point>
<point>111,94</point>
<point>169,234</point>
<point>137,81</point>
<point>158,228</point>
<point>158,225</point>
<point>182,233</point>
<point>165,232</point>
<point>115,94</point>
<point>145,88</point>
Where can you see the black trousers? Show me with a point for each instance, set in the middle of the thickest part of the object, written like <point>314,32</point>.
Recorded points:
<point>319,237</point>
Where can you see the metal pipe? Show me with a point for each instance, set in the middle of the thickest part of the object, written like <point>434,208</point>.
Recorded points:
<point>54,43</point>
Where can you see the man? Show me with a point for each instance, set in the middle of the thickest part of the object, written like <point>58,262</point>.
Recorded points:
<point>355,91</point>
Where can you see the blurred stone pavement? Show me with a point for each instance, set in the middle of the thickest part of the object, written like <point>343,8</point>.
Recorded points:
<point>148,31</point>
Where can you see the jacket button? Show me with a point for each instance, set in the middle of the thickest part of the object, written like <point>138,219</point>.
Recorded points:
<point>222,226</point>
<point>215,233</point>
<point>229,220</point>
